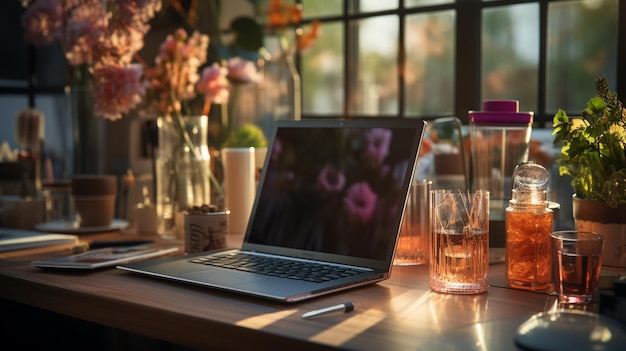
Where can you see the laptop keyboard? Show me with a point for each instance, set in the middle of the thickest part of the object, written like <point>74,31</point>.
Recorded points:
<point>275,266</point>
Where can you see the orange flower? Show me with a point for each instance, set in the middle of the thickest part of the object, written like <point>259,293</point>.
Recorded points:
<point>308,38</point>
<point>279,15</point>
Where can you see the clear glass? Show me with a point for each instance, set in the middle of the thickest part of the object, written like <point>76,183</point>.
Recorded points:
<point>375,83</point>
<point>577,261</point>
<point>183,170</point>
<point>495,151</point>
<point>323,72</point>
<point>59,202</point>
<point>412,247</point>
<point>582,45</point>
<point>429,71</point>
<point>459,241</point>
<point>510,54</point>
<point>281,93</point>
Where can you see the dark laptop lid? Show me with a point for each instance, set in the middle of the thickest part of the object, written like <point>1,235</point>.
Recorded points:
<point>334,190</point>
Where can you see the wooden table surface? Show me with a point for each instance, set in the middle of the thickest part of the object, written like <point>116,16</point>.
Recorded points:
<point>400,313</point>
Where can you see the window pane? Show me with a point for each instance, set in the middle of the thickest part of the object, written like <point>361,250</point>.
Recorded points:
<point>321,8</point>
<point>363,6</point>
<point>582,45</point>
<point>510,54</point>
<point>429,71</point>
<point>418,3</point>
<point>374,86</point>
<point>323,72</point>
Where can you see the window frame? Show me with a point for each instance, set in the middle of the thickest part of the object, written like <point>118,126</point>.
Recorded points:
<point>467,67</point>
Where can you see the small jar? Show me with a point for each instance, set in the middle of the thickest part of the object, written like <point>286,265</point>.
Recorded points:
<point>528,221</point>
<point>59,203</point>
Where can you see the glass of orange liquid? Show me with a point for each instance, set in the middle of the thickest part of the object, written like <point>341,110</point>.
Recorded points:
<point>577,260</point>
<point>459,241</point>
<point>412,247</point>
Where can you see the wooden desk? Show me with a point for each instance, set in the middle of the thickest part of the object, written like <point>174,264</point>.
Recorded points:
<point>398,314</point>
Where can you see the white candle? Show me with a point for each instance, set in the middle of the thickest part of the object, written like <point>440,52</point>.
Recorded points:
<point>239,186</point>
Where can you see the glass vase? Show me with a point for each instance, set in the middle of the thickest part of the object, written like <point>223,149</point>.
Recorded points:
<point>281,90</point>
<point>88,130</point>
<point>182,171</point>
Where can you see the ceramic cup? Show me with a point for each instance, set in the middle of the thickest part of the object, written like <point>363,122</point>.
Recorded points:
<point>205,231</point>
<point>94,199</point>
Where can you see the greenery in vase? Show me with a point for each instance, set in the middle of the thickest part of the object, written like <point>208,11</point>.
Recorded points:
<point>248,135</point>
<point>593,147</point>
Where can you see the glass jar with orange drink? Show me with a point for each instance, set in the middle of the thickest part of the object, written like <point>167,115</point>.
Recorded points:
<point>528,228</point>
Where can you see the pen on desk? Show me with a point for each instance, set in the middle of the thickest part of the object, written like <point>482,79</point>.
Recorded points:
<point>345,307</point>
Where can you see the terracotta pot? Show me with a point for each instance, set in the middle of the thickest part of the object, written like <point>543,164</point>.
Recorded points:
<point>610,222</point>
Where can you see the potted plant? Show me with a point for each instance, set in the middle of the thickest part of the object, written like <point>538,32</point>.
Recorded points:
<point>593,155</point>
<point>249,135</point>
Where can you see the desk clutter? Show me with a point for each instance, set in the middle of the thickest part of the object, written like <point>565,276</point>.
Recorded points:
<point>84,204</point>
<point>450,225</point>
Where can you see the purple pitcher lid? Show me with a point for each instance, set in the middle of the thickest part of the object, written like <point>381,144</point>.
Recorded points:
<point>500,112</point>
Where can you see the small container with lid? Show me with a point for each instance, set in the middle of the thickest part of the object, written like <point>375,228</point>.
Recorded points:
<point>528,227</point>
<point>500,138</point>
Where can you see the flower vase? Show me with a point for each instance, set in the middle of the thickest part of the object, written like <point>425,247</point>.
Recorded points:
<point>88,130</point>
<point>610,222</point>
<point>182,171</point>
<point>281,91</point>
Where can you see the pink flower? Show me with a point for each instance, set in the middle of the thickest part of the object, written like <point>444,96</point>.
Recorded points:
<point>117,90</point>
<point>104,35</point>
<point>214,84</point>
<point>85,33</point>
<point>43,22</point>
<point>242,71</point>
<point>175,73</point>
<point>133,15</point>
<point>377,148</point>
<point>331,179</point>
<point>360,202</point>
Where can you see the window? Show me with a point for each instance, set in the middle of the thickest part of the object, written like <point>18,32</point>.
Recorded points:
<point>432,58</point>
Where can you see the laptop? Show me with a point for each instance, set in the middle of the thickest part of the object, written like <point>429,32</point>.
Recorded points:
<point>329,206</point>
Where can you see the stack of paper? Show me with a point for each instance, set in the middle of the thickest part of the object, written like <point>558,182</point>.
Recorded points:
<point>17,239</point>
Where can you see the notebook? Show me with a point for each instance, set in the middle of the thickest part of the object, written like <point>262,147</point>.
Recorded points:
<point>330,201</point>
<point>17,239</point>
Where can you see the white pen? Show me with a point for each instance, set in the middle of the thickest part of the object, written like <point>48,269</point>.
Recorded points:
<point>345,307</point>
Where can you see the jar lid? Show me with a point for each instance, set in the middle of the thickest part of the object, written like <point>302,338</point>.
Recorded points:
<point>500,112</point>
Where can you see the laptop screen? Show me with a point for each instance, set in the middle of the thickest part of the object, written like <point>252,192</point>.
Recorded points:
<point>337,188</point>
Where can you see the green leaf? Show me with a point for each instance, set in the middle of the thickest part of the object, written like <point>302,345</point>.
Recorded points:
<point>596,106</point>
<point>560,118</point>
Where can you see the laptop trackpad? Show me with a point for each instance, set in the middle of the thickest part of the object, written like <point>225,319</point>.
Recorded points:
<point>223,277</point>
